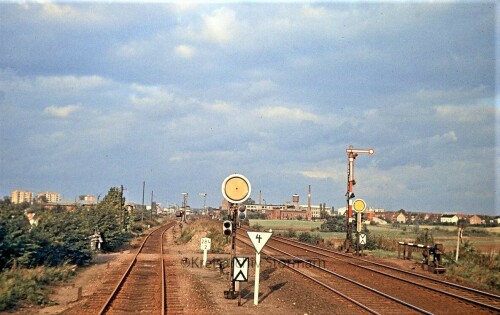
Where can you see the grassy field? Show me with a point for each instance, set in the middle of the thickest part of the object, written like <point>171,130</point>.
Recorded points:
<point>287,224</point>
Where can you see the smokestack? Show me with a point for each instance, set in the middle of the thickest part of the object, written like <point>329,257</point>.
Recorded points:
<point>309,216</point>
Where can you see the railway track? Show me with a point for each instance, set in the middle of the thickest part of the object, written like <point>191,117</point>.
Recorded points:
<point>145,285</point>
<point>378,288</point>
<point>142,288</point>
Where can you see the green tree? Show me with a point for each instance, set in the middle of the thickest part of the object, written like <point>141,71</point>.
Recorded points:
<point>59,237</point>
<point>334,224</point>
<point>108,219</point>
<point>14,227</point>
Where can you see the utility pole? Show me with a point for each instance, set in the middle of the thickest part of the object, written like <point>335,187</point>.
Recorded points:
<point>151,215</point>
<point>351,156</point>
<point>204,195</point>
<point>142,208</point>
<point>122,217</point>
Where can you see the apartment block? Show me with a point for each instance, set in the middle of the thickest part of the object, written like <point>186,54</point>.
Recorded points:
<point>49,196</point>
<point>20,196</point>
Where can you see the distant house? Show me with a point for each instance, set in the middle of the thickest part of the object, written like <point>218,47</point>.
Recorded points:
<point>401,218</point>
<point>449,218</point>
<point>475,220</point>
<point>379,221</point>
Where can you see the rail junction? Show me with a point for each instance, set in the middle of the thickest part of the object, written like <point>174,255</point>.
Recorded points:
<point>374,287</point>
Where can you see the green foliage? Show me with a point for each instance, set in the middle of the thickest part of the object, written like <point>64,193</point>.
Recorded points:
<point>476,232</point>
<point>291,233</point>
<point>14,239</point>
<point>258,227</point>
<point>425,237</point>
<point>334,224</point>
<point>307,237</point>
<point>218,241</point>
<point>186,236</point>
<point>26,284</point>
<point>371,241</point>
<point>483,269</point>
<point>255,215</point>
<point>60,236</point>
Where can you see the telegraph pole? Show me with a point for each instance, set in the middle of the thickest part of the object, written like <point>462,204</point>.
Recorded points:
<point>151,214</point>
<point>204,195</point>
<point>184,205</point>
<point>142,208</point>
<point>351,156</point>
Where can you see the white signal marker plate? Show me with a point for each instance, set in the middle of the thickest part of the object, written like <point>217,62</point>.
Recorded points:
<point>259,239</point>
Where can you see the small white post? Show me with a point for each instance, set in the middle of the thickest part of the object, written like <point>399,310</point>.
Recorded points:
<point>205,257</point>
<point>257,276</point>
<point>205,246</point>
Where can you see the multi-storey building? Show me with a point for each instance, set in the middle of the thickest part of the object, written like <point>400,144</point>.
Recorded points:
<point>20,196</point>
<point>49,196</point>
<point>88,198</point>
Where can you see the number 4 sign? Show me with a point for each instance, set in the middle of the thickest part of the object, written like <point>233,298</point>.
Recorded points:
<point>259,239</point>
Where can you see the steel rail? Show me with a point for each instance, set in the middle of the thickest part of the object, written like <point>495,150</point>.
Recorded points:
<point>294,243</point>
<point>117,288</point>
<point>163,280</point>
<point>456,286</point>
<point>341,277</point>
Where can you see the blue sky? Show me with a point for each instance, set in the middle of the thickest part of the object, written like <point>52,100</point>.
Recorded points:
<point>95,95</point>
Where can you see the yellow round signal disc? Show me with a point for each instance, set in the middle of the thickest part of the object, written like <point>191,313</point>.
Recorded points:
<point>359,205</point>
<point>236,188</point>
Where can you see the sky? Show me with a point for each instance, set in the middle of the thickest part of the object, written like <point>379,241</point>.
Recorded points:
<point>95,95</point>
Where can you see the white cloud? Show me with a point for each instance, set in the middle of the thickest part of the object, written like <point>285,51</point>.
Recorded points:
<point>314,12</point>
<point>285,113</point>
<point>447,137</point>
<point>150,96</point>
<point>219,107</point>
<point>57,12</point>
<point>466,114</point>
<point>262,86</point>
<point>184,51</point>
<point>220,26</point>
<point>61,111</point>
<point>71,82</point>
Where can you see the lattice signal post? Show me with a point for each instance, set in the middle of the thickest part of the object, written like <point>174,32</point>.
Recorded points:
<point>351,156</point>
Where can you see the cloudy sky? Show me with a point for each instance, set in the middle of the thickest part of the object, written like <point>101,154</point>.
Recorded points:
<point>95,95</point>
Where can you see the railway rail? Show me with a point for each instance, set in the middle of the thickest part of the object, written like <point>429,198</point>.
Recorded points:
<point>142,287</point>
<point>419,293</point>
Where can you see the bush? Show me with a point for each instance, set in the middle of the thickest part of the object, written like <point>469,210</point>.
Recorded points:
<point>307,237</point>
<point>291,233</point>
<point>482,269</point>
<point>334,224</point>
<point>26,284</point>
<point>186,236</point>
<point>218,241</point>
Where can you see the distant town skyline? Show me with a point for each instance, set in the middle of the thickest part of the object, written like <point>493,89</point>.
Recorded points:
<point>97,95</point>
